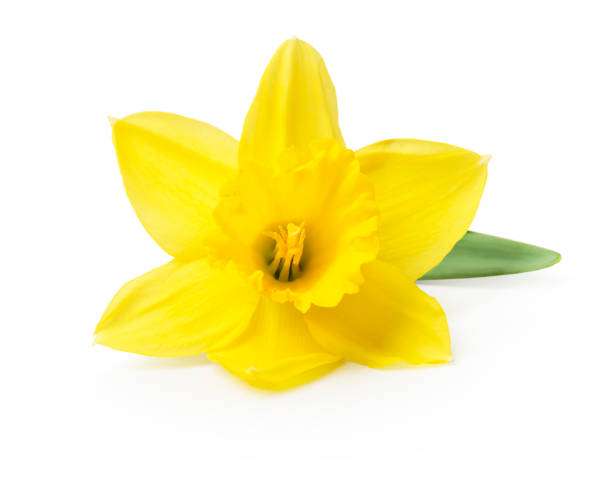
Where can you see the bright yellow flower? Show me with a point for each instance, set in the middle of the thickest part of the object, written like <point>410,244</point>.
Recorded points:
<point>291,252</point>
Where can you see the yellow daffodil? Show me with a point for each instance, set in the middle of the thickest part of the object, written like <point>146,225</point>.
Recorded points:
<point>291,253</point>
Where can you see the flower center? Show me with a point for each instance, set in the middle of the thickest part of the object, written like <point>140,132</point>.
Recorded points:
<point>285,262</point>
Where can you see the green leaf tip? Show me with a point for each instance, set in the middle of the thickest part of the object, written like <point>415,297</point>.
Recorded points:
<point>482,255</point>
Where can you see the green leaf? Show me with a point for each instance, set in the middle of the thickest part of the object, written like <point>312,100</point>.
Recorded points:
<point>481,255</point>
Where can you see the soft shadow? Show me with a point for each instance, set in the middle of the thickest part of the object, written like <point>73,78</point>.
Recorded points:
<point>146,362</point>
<point>518,280</point>
<point>400,365</point>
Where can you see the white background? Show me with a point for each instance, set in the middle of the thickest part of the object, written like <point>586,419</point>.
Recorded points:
<point>526,81</point>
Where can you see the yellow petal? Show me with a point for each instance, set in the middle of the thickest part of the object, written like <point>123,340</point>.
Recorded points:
<point>427,193</point>
<point>172,170</point>
<point>388,321</point>
<point>295,104</point>
<point>276,351</point>
<point>179,309</point>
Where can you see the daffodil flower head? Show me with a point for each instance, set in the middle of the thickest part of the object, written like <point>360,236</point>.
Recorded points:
<point>292,253</point>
